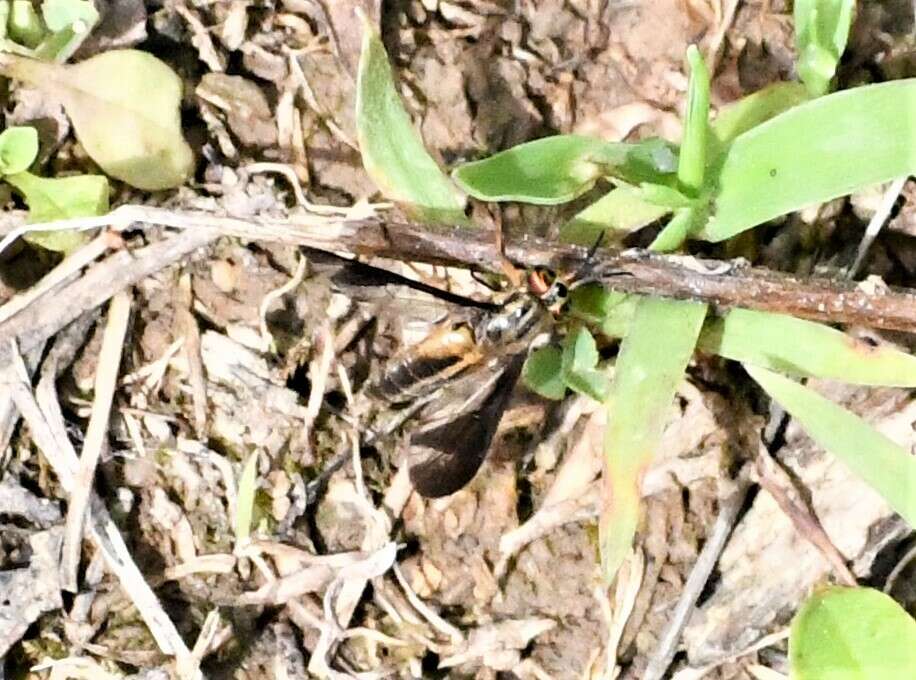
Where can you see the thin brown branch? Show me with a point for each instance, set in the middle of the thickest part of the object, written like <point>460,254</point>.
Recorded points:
<point>722,284</point>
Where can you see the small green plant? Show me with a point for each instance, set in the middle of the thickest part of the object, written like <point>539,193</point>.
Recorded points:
<point>54,33</point>
<point>49,198</point>
<point>124,106</point>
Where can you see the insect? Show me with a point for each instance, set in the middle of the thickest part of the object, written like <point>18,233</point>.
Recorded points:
<point>460,377</point>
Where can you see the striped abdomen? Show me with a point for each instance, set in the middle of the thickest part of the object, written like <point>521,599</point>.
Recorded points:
<point>439,357</point>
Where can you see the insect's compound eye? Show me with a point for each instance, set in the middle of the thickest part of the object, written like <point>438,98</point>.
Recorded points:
<point>561,290</point>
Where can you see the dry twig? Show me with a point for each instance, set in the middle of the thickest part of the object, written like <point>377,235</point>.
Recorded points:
<point>779,485</point>
<point>50,437</point>
<point>106,377</point>
<point>722,284</point>
<point>699,575</point>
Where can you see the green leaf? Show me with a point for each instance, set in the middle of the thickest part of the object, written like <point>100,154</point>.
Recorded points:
<point>71,21</point>
<point>620,211</point>
<point>680,226</point>
<point>124,105</point>
<point>544,374</point>
<point>664,196</point>
<point>887,467</point>
<point>751,111</point>
<point>691,167</point>
<point>25,25</point>
<point>805,349</point>
<point>558,169</point>
<point>814,152</point>
<point>18,149</point>
<point>578,362</point>
<point>59,198</point>
<point>392,150</point>
<point>821,31</point>
<point>580,353</point>
<point>546,171</point>
<point>244,508</point>
<point>852,634</point>
<point>610,311</point>
<point>649,161</point>
<point>61,14</point>
<point>651,364</point>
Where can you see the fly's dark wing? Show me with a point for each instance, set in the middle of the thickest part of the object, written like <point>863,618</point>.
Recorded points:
<point>444,456</point>
<point>347,274</point>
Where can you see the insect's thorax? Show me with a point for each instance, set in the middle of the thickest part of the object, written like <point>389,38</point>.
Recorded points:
<point>521,316</point>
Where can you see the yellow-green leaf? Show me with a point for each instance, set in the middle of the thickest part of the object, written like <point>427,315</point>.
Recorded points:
<point>692,159</point>
<point>545,171</point>
<point>244,509</point>
<point>617,213</point>
<point>651,364</point>
<point>58,198</point>
<point>18,149</point>
<point>821,31</point>
<point>815,152</point>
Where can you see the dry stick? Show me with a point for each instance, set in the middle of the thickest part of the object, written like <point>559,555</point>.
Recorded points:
<point>699,575</point>
<point>9,416</point>
<point>877,221</point>
<point>59,452</point>
<point>191,334</point>
<point>38,322</point>
<point>106,379</point>
<point>777,483</point>
<point>723,284</point>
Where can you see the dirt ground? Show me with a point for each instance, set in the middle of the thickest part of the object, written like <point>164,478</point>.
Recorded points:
<point>354,578</point>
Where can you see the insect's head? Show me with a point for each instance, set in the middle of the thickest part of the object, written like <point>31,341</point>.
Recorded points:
<point>549,288</point>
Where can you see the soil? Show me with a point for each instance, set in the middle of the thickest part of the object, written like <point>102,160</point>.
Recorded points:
<point>272,81</point>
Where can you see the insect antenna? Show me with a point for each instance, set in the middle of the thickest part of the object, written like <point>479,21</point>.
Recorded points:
<point>585,273</point>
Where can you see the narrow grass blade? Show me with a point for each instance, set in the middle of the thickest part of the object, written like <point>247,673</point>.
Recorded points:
<point>814,152</point>
<point>244,507</point>
<point>392,150</point>
<point>887,467</point>
<point>821,31</point>
<point>692,159</point>
<point>651,363</point>
<point>805,349</point>
<point>679,227</point>
<point>852,634</point>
